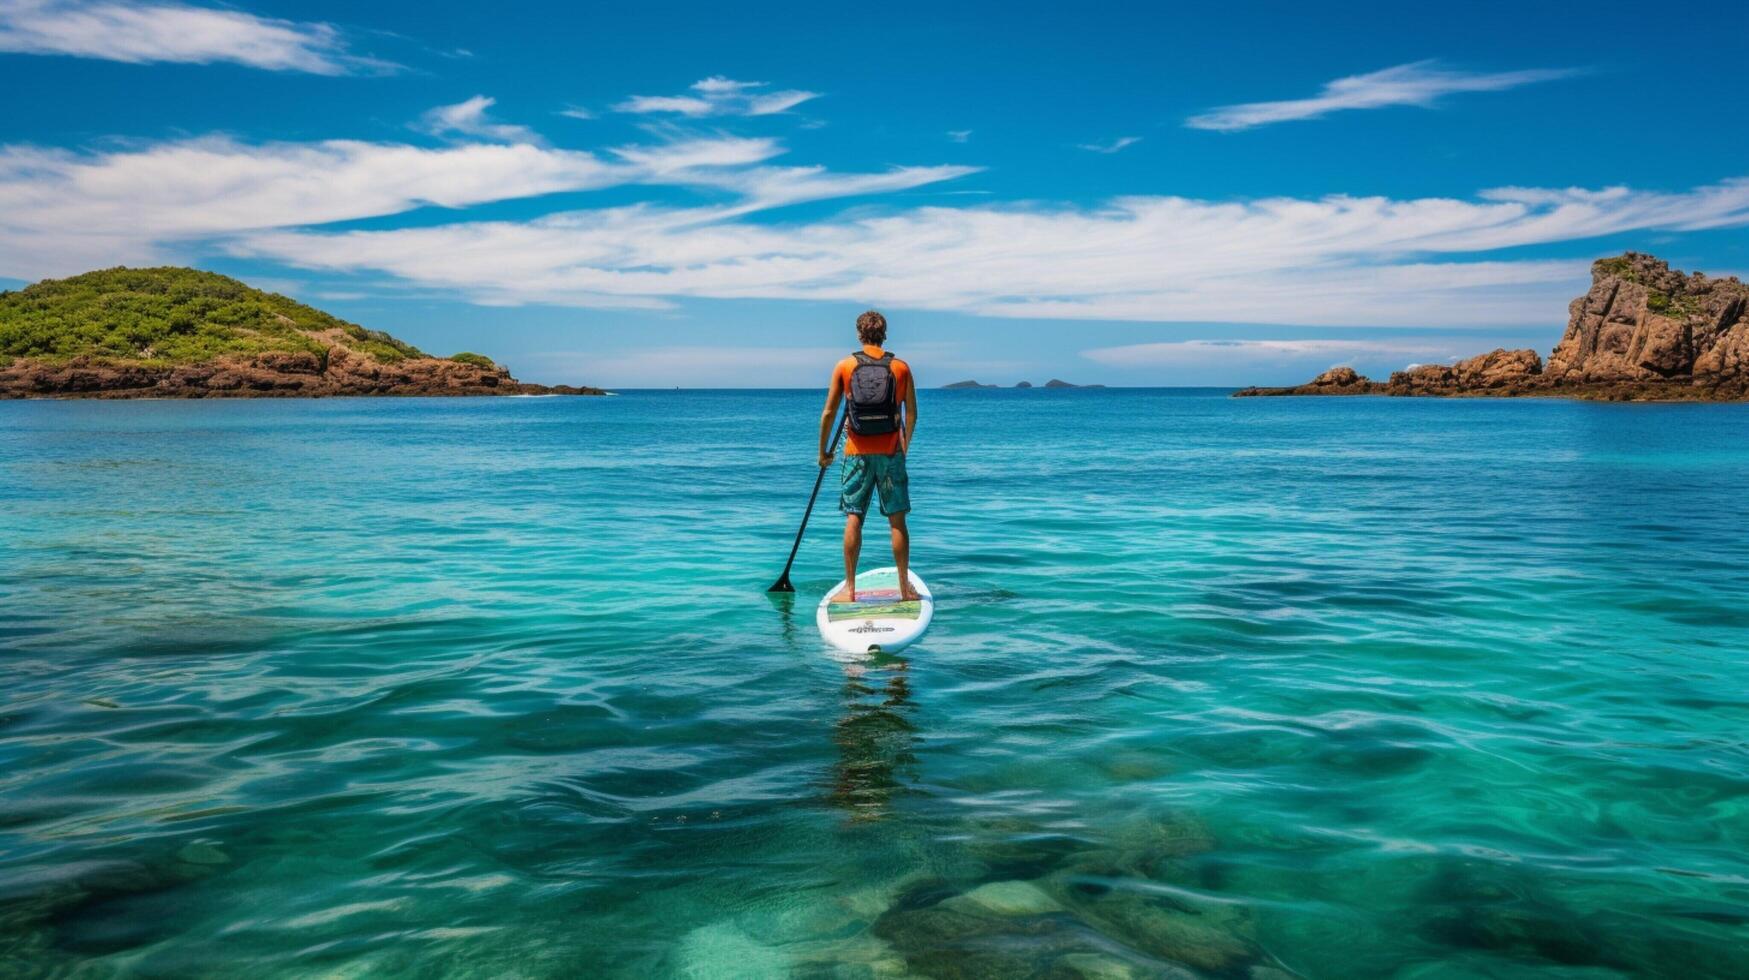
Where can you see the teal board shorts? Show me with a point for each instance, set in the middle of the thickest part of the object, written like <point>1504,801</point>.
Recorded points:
<point>861,476</point>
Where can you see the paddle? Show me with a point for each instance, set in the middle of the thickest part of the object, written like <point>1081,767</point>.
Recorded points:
<point>782,583</point>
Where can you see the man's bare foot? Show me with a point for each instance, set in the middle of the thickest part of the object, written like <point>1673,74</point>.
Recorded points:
<point>846,594</point>
<point>908,592</point>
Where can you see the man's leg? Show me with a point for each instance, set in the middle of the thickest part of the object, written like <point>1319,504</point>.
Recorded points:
<point>895,489</point>
<point>902,555</point>
<point>852,548</point>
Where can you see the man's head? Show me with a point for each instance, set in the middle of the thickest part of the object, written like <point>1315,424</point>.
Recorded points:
<point>872,328</point>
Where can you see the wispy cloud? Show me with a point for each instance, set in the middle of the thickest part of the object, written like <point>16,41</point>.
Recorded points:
<point>469,118</point>
<point>1419,83</point>
<point>1334,261</point>
<point>1111,147</point>
<point>1244,360</point>
<point>1177,353</point>
<point>694,365</point>
<point>63,212</point>
<point>719,96</point>
<point>576,112</point>
<point>175,32</point>
<point>1324,261</point>
<point>959,135</point>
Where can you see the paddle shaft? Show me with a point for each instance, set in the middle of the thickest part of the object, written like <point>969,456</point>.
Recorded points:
<point>782,583</point>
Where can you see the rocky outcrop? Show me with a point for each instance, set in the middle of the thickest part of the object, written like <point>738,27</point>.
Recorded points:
<point>969,384</point>
<point>1642,332</point>
<point>337,372</point>
<point>1497,370</point>
<point>1643,321</point>
<point>1060,383</point>
<point>1336,381</point>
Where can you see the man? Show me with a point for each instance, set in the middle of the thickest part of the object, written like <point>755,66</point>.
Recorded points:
<point>875,441</point>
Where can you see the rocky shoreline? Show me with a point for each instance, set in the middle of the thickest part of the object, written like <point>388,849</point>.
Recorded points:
<point>338,372</point>
<point>1643,332</point>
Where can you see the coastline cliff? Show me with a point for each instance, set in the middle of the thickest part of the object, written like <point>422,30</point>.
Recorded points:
<point>1643,332</point>
<point>184,333</point>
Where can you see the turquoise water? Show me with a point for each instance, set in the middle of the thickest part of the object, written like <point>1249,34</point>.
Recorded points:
<point>1223,687</point>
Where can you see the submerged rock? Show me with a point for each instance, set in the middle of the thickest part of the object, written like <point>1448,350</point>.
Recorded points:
<point>719,951</point>
<point>1215,937</point>
<point>1097,966</point>
<point>1009,898</point>
<point>201,852</point>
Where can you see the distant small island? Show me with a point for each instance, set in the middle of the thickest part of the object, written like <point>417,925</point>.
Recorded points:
<point>1644,332</point>
<point>1053,383</point>
<point>173,332</point>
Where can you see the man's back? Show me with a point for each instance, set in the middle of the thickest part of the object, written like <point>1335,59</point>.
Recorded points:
<point>884,444</point>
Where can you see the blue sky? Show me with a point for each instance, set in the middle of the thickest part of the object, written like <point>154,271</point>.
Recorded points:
<point>707,194</point>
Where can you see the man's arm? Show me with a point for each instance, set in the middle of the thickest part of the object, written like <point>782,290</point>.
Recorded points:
<point>833,396</point>
<point>910,408</point>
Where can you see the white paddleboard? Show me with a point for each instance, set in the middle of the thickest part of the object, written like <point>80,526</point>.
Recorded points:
<point>877,622</point>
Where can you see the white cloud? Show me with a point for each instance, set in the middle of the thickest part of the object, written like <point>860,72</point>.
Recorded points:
<point>715,367</point>
<point>959,135</point>
<point>63,212</point>
<point>768,187</point>
<point>686,155</point>
<point>1111,147</point>
<point>576,112</point>
<point>719,96</point>
<point>1280,361</point>
<point>469,118</point>
<point>1335,261</point>
<point>1180,353</point>
<point>681,104</point>
<point>1325,261</point>
<point>1416,84</point>
<point>175,32</point>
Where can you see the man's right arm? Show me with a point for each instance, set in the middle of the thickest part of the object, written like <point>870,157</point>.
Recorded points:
<point>833,396</point>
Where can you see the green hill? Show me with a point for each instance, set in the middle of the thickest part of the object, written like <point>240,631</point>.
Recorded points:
<point>171,315</point>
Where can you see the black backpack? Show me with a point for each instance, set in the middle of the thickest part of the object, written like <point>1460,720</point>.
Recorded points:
<point>874,396</point>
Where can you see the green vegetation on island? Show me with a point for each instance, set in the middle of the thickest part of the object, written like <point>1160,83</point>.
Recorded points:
<point>171,315</point>
<point>184,333</point>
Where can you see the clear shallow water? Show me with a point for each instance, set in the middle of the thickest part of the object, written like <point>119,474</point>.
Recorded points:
<point>1216,687</point>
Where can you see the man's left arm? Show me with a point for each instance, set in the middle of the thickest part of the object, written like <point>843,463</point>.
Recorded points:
<point>910,407</point>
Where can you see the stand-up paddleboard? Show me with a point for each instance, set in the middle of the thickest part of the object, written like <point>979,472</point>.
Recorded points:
<point>877,622</point>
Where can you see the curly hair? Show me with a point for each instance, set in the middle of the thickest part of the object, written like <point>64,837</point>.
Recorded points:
<point>872,328</point>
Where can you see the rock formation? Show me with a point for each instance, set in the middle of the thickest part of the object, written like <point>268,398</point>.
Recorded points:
<point>283,375</point>
<point>1643,321</point>
<point>1642,332</point>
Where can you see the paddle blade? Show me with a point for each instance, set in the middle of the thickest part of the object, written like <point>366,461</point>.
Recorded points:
<point>782,584</point>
